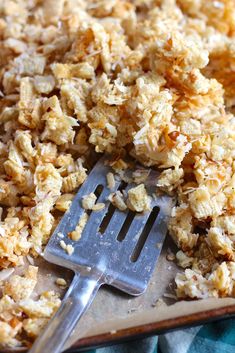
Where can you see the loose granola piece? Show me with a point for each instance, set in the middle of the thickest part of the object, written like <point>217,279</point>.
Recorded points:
<point>63,203</point>
<point>117,200</point>
<point>77,233</point>
<point>154,80</point>
<point>63,244</point>
<point>138,199</point>
<point>61,282</point>
<point>67,247</point>
<point>88,201</point>
<point>110,180</point>
<point>60,235</point>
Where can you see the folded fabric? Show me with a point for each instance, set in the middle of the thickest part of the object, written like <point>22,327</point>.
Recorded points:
<point>217,337</point>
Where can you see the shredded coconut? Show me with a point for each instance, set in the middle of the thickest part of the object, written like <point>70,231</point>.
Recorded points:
<point>150,80</point>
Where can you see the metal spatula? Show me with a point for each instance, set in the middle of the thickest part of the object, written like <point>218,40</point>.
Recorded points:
<point>116,248</point>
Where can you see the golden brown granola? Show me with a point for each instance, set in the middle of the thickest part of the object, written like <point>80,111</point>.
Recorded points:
<point>150,78</point>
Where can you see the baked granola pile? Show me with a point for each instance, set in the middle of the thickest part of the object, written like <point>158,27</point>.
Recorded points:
<point>153,79</point>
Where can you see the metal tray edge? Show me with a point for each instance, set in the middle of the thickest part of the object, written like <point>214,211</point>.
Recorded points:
<point>154,328</point>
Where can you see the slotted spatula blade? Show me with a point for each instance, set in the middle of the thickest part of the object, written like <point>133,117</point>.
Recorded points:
<point>116,248</point>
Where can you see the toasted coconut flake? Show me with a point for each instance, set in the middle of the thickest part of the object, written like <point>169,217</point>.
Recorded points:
<point>4,274</point>
<point>142,79</point>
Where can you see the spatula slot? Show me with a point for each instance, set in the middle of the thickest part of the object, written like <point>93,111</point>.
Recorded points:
<point>144,235</point>
<point>98,190</point>
<point>105,221</point>
<point>122,185</point>
<point>109,214</point>
<point>126,226</point>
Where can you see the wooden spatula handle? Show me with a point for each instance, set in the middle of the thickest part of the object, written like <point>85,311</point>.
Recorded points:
<point>78,298</point>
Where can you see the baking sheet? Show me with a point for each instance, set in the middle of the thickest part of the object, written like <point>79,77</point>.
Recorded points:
<point>112,310</point>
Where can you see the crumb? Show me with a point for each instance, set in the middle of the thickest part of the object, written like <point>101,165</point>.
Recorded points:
<point>63,244</point>
<point>132,310</point>
<point>61,282</point>
<point>170,256</point>
<point>158,303</point>
<point>70,249</point>
<point>149,83</point>
<point>111,181</point>
<point>77,233</point>
<point>67,247</point>
<point>117,200</point>
<point>60,235</point>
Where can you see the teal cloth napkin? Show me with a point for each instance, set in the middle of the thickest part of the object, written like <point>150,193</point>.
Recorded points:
<point>217,337</point>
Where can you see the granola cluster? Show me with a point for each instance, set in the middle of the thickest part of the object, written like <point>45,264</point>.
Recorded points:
<point>150,78</point>
<point>20,313</point>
